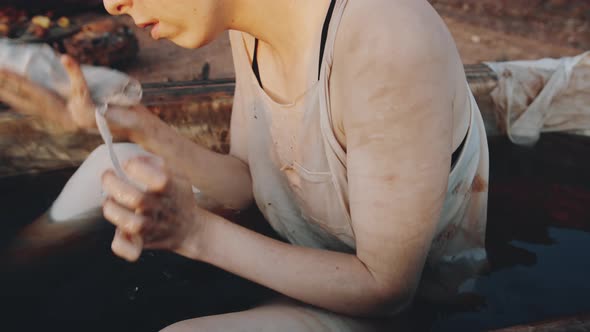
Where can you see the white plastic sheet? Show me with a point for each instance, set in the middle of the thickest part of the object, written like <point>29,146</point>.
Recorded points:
<point>548,95</point>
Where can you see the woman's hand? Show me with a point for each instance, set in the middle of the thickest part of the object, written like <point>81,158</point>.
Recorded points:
<point>77,111</point>
<point>163,216</point>
<point>71,114</point>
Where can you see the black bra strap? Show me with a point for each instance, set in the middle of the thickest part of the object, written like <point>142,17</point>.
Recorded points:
<point>325,34</point>
<point>325,28</point>
<point>255,68</point>
<point>457,152</point>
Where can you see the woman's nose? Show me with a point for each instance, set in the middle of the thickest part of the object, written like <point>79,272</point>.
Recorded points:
<point>117,7</point>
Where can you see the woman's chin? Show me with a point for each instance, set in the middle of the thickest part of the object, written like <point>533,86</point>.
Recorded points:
<point>190,41</point>
<point>184,43</point>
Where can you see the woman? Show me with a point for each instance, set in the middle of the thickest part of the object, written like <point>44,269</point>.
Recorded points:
<point>353,130</point>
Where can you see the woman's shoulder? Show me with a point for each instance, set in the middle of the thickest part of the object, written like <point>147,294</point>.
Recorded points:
<point>393,50</point>
<point>399,14</point>
<point>392,25</point>
<point>402,39</point>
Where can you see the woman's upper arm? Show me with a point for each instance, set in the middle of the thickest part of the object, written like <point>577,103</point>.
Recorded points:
<point>392,93</point>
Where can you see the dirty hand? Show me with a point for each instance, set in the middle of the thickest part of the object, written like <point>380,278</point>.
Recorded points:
<point>71,114</point>
<point>163,216</point>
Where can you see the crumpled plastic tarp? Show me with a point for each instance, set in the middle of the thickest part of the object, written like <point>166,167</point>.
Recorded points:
<point>548,95</point>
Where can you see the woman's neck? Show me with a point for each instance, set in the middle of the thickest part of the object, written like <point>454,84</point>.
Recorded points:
<point>284,25</point>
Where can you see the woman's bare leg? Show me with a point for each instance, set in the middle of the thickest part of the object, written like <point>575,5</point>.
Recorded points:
<point>45,238</point>
<point>286,315</point>
<point>75,218</point>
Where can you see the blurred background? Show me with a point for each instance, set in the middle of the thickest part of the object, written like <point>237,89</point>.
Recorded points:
<point>485,30</point>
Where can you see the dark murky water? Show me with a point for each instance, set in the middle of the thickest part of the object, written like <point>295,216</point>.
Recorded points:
<point>538,240</point>
<point>538,237</point>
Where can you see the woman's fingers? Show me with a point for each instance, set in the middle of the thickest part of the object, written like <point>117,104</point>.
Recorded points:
<point>28,97</point>
<point>148,172</point>
<point>120,209</point>
<point>124,193</point>
<point>135,123</point>
<point>126,246</point>
<point>123,218</point>
<point>80,104</point>
<point>78,86</point>
<point>21,93</point>
<point>160,215</point>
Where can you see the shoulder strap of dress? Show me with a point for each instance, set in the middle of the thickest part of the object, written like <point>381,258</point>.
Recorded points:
<point>325,29</point>
<point>240,55</point>
<point>331,32</point>
<point>326,123</point>
<point>335,154</point>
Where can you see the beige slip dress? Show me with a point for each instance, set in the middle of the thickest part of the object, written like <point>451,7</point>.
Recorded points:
<point>299,176</point>
<point>299,173</point>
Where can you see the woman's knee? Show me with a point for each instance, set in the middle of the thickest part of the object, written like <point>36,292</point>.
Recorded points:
<point>82,197</point>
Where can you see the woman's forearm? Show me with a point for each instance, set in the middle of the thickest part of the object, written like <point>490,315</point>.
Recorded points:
<point>223,178</point>
<point>334,281</point>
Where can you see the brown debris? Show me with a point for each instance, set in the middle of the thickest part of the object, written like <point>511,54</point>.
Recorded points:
<point>102,43</point>
<point>479,185</point>
<point>42,21</point>
<point>63,22</point>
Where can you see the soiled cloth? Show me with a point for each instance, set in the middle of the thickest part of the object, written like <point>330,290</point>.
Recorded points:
<point>299,173</point>
<point>547,95</point>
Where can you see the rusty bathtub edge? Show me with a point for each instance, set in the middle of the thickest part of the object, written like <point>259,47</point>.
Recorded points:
<point>200,110</point>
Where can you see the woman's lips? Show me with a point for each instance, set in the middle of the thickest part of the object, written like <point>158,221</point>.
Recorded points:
<point>155,31</point>
<point>155,28</point>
